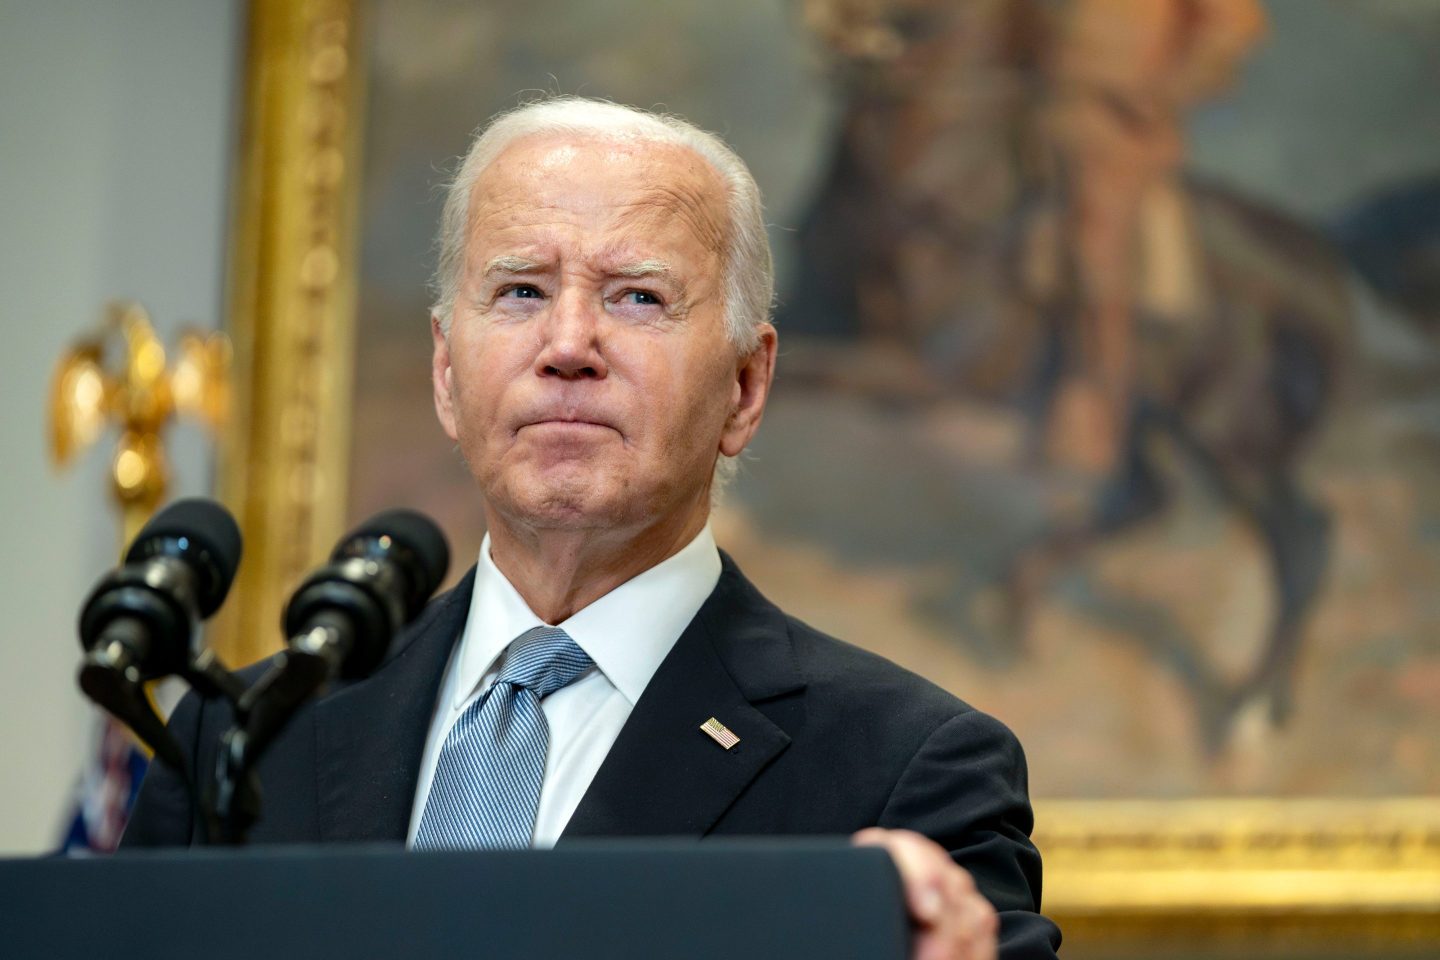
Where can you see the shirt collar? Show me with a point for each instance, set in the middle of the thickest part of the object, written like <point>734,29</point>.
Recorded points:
<point>627,632</point>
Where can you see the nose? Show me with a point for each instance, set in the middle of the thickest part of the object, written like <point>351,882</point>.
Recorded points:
<point>570,347</point>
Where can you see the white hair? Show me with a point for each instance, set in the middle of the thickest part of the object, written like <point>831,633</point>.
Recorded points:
<point>749,273</point>
<point>748,282</point>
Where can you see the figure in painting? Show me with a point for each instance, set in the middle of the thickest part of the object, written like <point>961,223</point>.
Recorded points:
<point>1007,219</point>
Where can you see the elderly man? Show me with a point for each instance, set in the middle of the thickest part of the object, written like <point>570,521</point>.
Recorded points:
<point>601,351</point>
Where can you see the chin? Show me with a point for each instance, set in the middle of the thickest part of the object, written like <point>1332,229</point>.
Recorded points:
<point>572,502</point>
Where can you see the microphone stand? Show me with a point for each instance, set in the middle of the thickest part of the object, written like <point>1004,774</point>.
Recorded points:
<point>308,662</point>
<point>230,805</point>
<point>112,678</point>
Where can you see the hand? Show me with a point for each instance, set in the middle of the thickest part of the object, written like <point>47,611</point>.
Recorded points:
<point>953,921</point>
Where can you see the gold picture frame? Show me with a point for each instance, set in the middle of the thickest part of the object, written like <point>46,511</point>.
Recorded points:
<point>290,305</point>
<point>1253,877</point>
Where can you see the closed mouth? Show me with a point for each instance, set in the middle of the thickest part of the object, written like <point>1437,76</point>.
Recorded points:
<point>567,422</point>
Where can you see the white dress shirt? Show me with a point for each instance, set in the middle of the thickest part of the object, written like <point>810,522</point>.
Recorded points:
<point>627,633</point>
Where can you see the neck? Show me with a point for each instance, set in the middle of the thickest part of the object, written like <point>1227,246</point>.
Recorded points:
<point>560,572</point>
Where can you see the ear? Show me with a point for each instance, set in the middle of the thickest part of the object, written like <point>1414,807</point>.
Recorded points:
<point>752,388</point>
<point>442,379</point>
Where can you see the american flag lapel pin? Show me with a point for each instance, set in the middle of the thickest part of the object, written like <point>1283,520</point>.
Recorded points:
<point>720,733</point>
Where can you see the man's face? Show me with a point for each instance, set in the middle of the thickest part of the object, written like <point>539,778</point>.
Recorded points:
<point>587,377</point>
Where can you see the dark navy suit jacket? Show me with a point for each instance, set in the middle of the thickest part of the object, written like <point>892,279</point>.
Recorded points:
<point>832,739</point>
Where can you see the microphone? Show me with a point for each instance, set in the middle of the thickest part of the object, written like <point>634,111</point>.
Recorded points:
<point>378,580</point>
<point>340,622</point>
<point>342,618</point>
<point>140,619</point>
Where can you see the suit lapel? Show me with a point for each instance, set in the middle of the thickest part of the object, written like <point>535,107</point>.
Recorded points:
<point>664,776</point>
<point>370,735</point>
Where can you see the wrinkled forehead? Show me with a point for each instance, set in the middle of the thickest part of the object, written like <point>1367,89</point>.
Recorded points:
<point>642,183</point>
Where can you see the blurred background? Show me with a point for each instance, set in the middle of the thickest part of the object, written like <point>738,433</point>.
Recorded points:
<point>1109,334</point>
<point>117,135</point>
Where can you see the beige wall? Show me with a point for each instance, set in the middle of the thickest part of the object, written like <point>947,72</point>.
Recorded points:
<point>116,132</point>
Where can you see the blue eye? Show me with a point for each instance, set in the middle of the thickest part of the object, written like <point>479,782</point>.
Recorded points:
<point>644,297</point>
<point>522,291</point>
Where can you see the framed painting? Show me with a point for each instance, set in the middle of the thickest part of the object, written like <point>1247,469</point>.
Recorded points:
<point>1107,396</point>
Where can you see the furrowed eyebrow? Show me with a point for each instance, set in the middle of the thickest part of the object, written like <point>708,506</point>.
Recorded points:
<point>508,263</point>
<point>644,269</point>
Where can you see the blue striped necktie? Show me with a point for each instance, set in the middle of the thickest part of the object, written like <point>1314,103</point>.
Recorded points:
<point>487,778</point>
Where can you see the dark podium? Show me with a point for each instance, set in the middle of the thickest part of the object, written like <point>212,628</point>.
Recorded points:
<point>750,900</point>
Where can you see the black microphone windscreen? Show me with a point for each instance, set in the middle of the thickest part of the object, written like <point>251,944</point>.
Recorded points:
<point>211,539</point>
<point>414,531</point>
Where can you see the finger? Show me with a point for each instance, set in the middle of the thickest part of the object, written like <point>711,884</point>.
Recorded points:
<point>964,933</point>
<point>954,919</point>
<point>976,927</point>
<point>923,869</point>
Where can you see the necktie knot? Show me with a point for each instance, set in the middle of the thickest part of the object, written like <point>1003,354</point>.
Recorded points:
<point>543,660</point>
